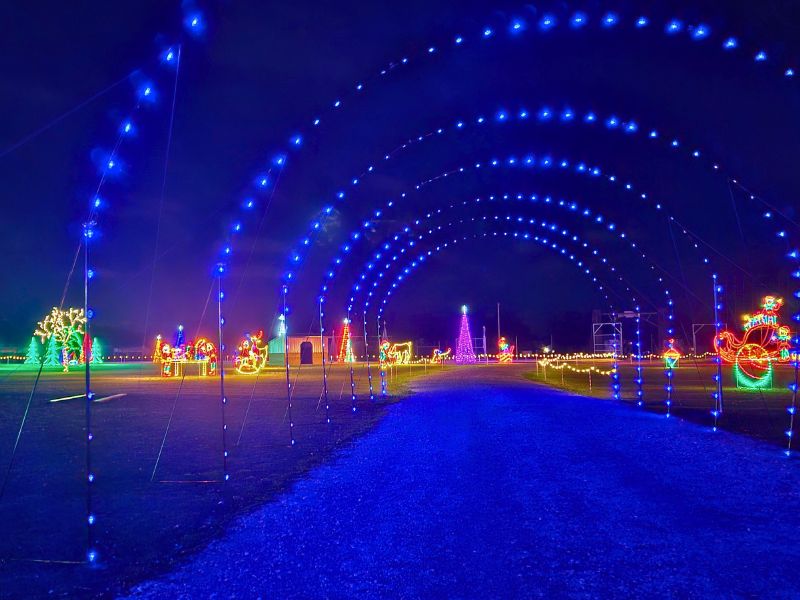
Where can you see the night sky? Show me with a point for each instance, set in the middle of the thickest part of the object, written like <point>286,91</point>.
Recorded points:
<point>263,71</point>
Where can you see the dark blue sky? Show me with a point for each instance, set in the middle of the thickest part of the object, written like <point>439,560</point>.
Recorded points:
<point>261,73</point>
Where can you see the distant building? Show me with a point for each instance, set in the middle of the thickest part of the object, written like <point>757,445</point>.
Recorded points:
<point>303,349</point>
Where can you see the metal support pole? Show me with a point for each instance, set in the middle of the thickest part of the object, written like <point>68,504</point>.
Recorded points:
<point>350,360</point>
<point>639,380</point>
<point>91,552</point>
<point>286,366</point>
<point>717,412</point>
<point>324,368</point>
<point>382,363</point>
<point>366,356</point>
<point>221,366</point>
<point>793,408</point>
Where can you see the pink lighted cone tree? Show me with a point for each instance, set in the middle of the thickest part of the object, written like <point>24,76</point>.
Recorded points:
<point>465,354</point>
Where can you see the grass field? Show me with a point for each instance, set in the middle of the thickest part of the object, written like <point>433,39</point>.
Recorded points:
<point>147,521</point>
<point>758,413</point>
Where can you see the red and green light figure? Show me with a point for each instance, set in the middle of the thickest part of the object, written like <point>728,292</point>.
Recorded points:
<point>346,345</point>
<point>506,354</point>
<point>764,342</point>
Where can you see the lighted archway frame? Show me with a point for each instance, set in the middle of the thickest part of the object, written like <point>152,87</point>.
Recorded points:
<point>610,20</point>
<point>523,201</point>
<point>545,114</point>
<point>565,117</point>
<point>528,161</point>
<point>571,207</point>
<point>550,228</point>
<point>546,162</point>
<point>110,166</point>
<point>411,243</point>
<point>524,236</point>
<point>549,24</point>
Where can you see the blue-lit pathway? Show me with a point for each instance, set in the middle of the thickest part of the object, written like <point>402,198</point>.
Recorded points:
<point>485,486</point>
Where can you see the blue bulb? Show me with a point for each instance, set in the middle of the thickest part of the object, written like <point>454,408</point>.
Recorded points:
<point>760,56</point>
<point>700,32</point>
<point>487,32</point>
<point>194,23</point>
<point>674,26</point>
<point>459,40</point>
<point>547,22</point>
<point>642,22</point>
<point>579,19</point>
<point>730,43</point>
<point>610,20</point>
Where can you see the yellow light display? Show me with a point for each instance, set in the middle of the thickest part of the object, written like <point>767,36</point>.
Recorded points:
<point>251,354</point>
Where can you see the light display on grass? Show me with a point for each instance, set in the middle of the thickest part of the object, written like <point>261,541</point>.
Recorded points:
<point>157,355</point>
<point>251,354</point>
<point>346,345</point>
<point>765,341</point>
<point>396,354</point>
<point>68,329</point>
<point>32,356</point>
<point>439,355</point>
<point>96,355</point>
<point>174,358</point>
<point>506,351</point>
<point>52,354</point>
<point>465,353</point>
<point>671,355</point>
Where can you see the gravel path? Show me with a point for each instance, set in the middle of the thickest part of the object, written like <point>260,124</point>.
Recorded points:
<point>484,486</point>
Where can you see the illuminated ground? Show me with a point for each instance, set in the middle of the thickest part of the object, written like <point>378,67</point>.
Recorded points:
<point>150,527</point>
<point>483,486</point>
<point>144,527</point>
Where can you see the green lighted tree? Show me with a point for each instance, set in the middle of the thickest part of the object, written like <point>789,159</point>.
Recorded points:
<point>52,357</point>
<point>97,352</point>
<point>32,356</point>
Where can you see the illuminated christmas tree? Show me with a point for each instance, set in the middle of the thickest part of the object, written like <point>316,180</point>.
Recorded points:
<point>346,347</point>
<point>32,356</point>
<point>465,354</point>
<point>97,352</point>
<point>157,353</point>
<point>52,357</point>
